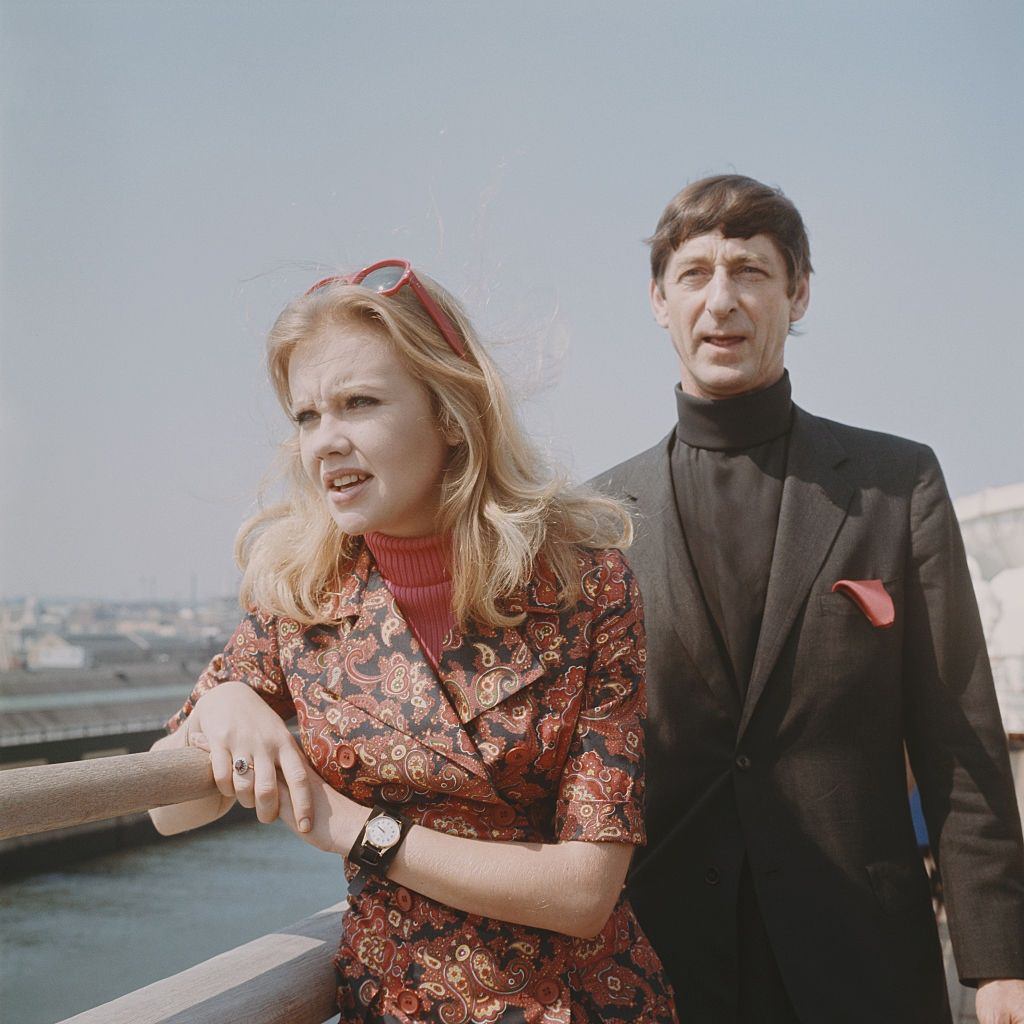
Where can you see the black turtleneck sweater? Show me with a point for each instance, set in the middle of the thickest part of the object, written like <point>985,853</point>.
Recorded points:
<point>728,466</point>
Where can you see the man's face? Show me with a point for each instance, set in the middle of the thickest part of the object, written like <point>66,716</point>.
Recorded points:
<point>726,305</point>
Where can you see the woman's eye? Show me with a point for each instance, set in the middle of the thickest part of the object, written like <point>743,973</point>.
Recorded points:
<point>304,416</point>
<point>361,401</point>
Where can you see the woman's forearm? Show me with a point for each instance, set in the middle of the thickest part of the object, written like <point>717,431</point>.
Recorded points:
<point>175,818</point>
<point>564,887</point>
<point>567,887</point>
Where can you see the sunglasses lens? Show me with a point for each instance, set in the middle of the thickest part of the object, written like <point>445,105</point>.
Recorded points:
<point>384,279</point>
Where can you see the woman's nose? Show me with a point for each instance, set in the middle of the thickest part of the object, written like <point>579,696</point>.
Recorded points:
<point>331,438</point>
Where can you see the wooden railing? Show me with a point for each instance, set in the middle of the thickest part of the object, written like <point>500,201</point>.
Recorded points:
<point>49,796</point>
<point>286,977</point>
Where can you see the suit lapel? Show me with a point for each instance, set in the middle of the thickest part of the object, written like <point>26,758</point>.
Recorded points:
<point>386,675</point>
<point>814,504</point>
<point>670,585</point>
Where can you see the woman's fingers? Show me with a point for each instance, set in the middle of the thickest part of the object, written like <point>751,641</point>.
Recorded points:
<point>243,782</point>
<point>198,739</point>
<point>264,788</point>
<point>223,772</point>
<point>300,795</point>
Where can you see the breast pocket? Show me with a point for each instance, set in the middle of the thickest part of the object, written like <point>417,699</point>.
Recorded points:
<point>841,604</point>
<point>852,647</point>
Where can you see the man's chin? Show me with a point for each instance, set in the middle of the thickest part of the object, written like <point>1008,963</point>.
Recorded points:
<point>726,382</point>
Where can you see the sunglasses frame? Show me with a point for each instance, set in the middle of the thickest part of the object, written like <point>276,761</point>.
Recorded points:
<point>408,277</point>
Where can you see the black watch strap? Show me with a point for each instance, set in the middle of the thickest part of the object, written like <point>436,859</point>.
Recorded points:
<point>370,857</point>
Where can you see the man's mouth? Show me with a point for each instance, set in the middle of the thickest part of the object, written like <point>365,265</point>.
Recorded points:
<point>723,340</point>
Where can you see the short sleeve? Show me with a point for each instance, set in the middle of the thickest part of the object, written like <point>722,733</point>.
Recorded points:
<point>601,794</point>
<point>251,657</point>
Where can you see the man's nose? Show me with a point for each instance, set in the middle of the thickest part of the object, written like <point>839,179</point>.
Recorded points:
<point>331,438</point>
<point>721,294</point>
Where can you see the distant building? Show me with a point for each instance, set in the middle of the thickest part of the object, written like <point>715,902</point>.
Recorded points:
<point>53,651</point>
<point>992,522</point>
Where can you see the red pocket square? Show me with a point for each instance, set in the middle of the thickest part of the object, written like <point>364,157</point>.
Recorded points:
<point>871,598</point>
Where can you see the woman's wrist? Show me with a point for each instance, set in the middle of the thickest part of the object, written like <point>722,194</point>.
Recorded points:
<point>347,824</point>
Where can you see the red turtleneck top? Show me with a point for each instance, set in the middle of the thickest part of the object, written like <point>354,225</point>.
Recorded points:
<point>416,571</point>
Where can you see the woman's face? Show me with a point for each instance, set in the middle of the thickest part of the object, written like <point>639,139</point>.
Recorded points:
<point>368,437</point>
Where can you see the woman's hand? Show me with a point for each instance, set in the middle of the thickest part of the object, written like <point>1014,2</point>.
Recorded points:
<point>232,722</point>
<point>337,819</point>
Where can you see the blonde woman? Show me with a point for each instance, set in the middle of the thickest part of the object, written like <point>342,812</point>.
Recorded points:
<point>463,649</point>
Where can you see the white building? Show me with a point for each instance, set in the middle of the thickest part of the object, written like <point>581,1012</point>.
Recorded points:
<point>993,527</point>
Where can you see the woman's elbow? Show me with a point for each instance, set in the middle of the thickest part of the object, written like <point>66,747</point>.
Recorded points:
<point>589,911</point>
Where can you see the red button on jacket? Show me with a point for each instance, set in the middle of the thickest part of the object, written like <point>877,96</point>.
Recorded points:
<point>407,1001</point>
<point>547,991</point>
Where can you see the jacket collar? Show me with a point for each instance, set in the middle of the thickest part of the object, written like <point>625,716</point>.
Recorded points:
<point>670,581</point>
<point>394,682</point>
<point>815,499</point>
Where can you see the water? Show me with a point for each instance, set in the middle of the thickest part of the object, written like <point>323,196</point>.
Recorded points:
<point>73,939</point>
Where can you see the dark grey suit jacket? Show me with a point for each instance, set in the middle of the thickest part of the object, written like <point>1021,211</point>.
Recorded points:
<point>805,776</point>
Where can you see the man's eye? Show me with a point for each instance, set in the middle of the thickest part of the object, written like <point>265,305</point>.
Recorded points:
<point>752,271</point>
<point>692,274</point>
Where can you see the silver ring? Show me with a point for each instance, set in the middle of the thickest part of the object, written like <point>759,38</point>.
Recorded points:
<point>241,765</point>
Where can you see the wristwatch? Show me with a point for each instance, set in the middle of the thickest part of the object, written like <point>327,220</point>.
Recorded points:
<point>378,842</point>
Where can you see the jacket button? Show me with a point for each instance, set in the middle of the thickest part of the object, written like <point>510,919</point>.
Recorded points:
<point>404,899</point>
<point>712,876</point>
<point>346,757</point>
<point>517,756</point>
<point>407,1001</point>
<point>547,991</point>
<point>503,814</point>
<point>744,763</point>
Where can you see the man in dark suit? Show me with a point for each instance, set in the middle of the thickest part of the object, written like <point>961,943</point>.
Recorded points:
<point>810,619</point>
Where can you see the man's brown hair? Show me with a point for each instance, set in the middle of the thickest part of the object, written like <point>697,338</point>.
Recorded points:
<point>739,207</point>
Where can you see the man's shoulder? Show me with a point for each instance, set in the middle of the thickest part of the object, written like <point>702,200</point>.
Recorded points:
<point>872,446</point>
<point>626,478</point>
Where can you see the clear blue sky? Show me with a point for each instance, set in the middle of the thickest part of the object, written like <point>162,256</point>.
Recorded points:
<point>172,173</point>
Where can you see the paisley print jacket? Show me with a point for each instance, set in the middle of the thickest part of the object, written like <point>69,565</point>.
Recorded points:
<point>531,733</point>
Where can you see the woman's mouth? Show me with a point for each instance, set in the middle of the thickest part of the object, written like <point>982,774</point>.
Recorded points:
<point>347,481</point>
<point>345,487</point>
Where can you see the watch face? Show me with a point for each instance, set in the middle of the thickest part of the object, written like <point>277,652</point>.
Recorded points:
<point>383,831</point>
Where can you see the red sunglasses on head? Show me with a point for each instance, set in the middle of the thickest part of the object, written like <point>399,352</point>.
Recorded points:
<point>388,277</point>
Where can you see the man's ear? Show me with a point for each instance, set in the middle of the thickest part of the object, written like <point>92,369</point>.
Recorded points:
<point>658,304</point>
<point>801,299</point>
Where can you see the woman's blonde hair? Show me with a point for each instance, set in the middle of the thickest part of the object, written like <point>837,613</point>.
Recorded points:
<point>503,505</point>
